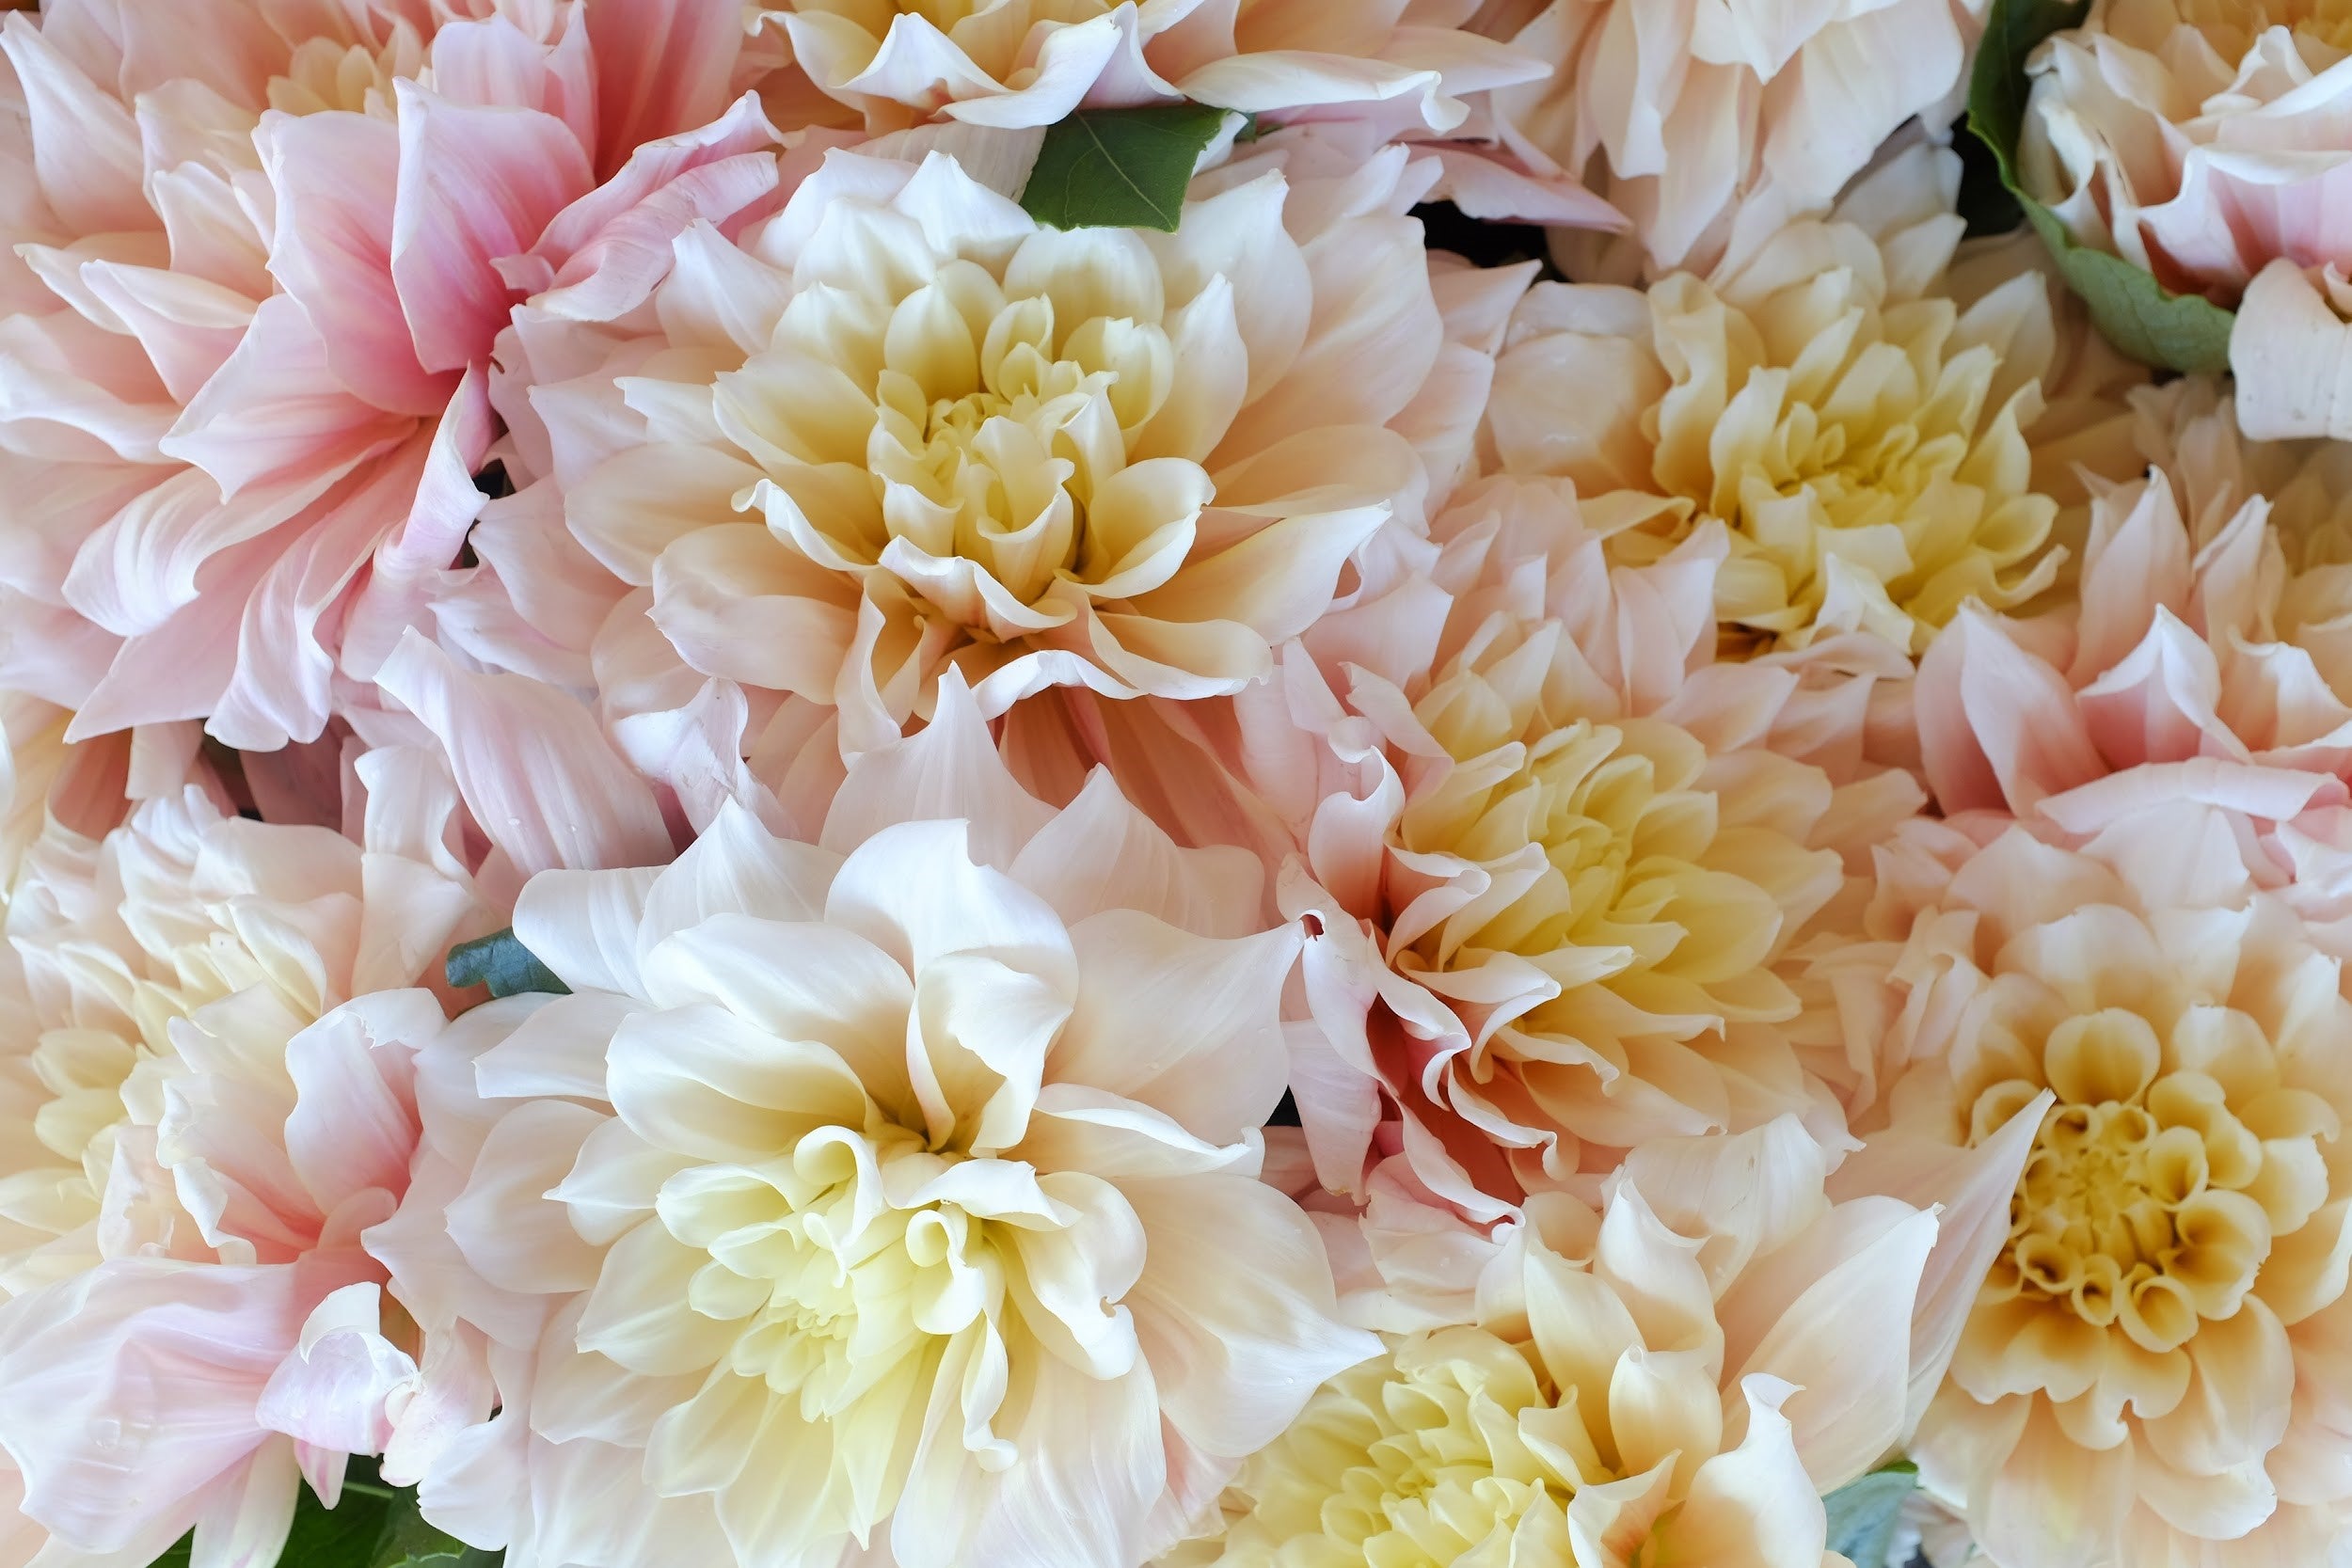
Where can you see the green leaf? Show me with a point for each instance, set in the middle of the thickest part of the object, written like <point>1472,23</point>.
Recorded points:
<point>2138,314</point>
<point>1119,168</point>
<point>339,1537</point>
<point>370,1526</point>
<point>408,1542</point>
<point>501,963</point>
<point>1862,1514</point>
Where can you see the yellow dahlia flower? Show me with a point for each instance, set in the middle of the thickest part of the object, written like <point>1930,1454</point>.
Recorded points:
<point>1672,1381</point>
<point>902,426</point>
<point>1861,436</point>
<point>2149,1373</point>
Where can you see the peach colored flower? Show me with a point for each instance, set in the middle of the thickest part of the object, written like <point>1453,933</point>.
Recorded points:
<point>257,255</point>
<point>900,1193</point>
<point>2203,141</point>
<point>1674,1379</point>
<point>2207,642</point>
<point>1563,883</point>
<point>1031,63</point>
<point>2147,1373</point>
<point>2197,139</point>
<point>899,427</point>
<point>1862,437</point>
<point>1710,123</point>
<point>205,1099</point>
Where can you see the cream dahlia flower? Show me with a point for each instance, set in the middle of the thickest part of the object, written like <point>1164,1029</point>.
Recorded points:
<point>256,258</point>
<point>900,1191</point>
<point>1711,125</point>
<point>204,1099</point>
<point>901,427</point>
<point>1674,1380</point>
<point>1861,436</point>
<point>1561,881</point>
<point>1020,63</point>
<point>2150,1374</point>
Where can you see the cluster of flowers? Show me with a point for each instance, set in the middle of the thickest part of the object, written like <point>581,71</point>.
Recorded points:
<point>1245,896</point>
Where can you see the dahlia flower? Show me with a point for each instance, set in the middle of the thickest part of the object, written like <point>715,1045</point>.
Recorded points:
<point>900,428</point>
<point>1561,881</point>
<point>2151,1373</point>
<point>206,1100</point>
<point>2197,139</point>
<point>1861,436</point>
<point>899,1191</point>
<point>1711,125</point>
<point>257,255</point>
<point>1031,63</point>
<point>2207,642</point>
<point>1674,1379</point>
<point>2202,141</point>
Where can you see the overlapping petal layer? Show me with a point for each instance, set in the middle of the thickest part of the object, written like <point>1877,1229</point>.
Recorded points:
<point>901,427</point>
<point>885,1190</point>
<point>258,257</point>
<point>2146,1376</point>
<point>206,1100</point>
<point>1712,124</point>
<point>1563,877</point>
<point>1862,437</point>
<point>1675,1378</point>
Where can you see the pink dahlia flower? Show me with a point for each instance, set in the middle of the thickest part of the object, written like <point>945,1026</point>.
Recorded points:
<point>899,427</point>
<point>876,1199</point>
<point>2206,652</point>
<point>1563,882</point>
<point>258,256</point>
<point>204,1098</point>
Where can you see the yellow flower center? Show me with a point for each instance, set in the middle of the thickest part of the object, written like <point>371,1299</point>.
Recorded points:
<point>324,74</point>
<point>2231,25</point>
<point>1403,1462</point>
<point>2143,1207</point>
<point>1855,453</point>
<point>996,472</point>
<point>830,1286</point>
<point>1609,862</point>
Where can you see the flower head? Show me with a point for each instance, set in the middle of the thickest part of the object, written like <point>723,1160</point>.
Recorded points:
<point>2197,139</point>
<point>2138,1379</point>
<point>1562,879</point>
<point>911,1168</point>
<point>901,427</point>
<point>260,258</point>
<point>1674,1379</point>
<point>2205,650</point>
<point>1862,437</point>
<point>1710,126</point>
<point>206,1100</point>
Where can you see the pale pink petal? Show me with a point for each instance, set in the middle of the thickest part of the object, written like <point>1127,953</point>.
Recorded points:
<point>536,773</point>
<point>475,183</point>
